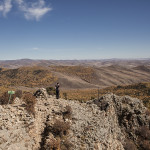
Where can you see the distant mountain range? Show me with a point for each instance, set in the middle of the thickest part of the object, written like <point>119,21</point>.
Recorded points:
<point>97,63</point>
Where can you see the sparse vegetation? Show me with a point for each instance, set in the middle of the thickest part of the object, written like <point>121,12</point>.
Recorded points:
<point>51,90</point>
<point>57,134</point>
<point>145,145</point>
<point>66,145</point>
<point>85,73</point>
<point>60,128</point>
<point>4,98</point>
<point>140,91</point>
<point>68,112</point>
<point>129,145</point>
<point>53,144</point>
<point>65,95</point>
<point>30,101</point>
<point>3,89</point>
<point>27,76</point>
<point>144,138</point>
<point>144,132</point>
<point>18,93</point>
<point>148,112</point>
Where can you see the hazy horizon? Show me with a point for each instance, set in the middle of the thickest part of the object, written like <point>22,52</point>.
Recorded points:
<point>76,59</point>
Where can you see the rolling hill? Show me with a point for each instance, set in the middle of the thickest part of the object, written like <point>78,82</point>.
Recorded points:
<point>74,77</point>
<point>93,77</point>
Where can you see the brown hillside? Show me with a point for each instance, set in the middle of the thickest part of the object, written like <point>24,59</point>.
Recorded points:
<point>26,76</point>
<point>100,76</point>
<point>119,75</point>
<point>87,74</point>
<point>143,68</point>
<point>74,76</point>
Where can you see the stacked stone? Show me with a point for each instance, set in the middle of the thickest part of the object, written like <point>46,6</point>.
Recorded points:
<point>41,93</point>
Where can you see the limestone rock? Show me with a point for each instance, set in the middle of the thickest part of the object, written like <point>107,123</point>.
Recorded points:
<point>102,124</point>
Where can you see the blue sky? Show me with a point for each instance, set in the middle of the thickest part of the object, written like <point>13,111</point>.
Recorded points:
<point>74,29</point>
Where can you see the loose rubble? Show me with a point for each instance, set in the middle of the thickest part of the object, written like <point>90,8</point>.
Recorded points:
<point>96,125</point>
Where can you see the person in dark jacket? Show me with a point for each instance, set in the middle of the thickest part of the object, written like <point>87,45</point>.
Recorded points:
<point>57,90</point>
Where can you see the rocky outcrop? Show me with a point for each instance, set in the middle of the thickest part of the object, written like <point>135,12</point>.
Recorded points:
<point>102,124</point>
<point>15,124</point>
<point>131,114</point>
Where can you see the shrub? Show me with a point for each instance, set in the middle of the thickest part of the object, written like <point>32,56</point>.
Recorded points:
<point>18,93</point>
<point>53,144</point>
<point>65,95</point>
<point>129,145</point>
<point>92,97</point>
<point>144,132</point>
<point>68,112</point>
<point>4,99</point>
<point>51,90</point>
<point>30,101</point>
<point>60,128</point>
<point>119,87</point>
<point>66,145</point>
<point>145,145</point>
<point>147,112</point>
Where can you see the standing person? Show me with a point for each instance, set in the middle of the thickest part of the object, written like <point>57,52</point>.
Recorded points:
<point>57,90</point>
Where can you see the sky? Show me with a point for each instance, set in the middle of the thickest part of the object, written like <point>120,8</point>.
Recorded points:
<point>74,29</point>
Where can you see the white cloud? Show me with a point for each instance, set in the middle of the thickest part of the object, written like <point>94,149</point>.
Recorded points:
<point>35,48</point>
<point>31,10</point>
<point>5,7</point>
<point>34,10</point>
<point>35,13</point>
<point>1,8</point>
